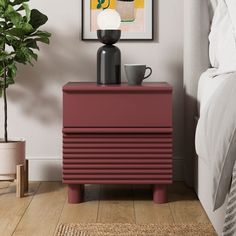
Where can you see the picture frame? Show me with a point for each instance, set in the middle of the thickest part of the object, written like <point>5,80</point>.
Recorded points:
<point>140,25</point>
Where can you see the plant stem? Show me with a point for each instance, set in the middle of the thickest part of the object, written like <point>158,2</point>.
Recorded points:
<point>5,103</point>
<point>108,5</point>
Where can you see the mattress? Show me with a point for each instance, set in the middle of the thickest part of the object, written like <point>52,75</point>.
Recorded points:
<point>208,84</point>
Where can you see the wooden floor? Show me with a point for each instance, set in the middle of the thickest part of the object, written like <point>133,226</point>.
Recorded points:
<point>46,206</point>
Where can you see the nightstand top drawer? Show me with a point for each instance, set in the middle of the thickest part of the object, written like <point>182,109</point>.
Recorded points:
<point>90,105</point>
<point>89,87</point>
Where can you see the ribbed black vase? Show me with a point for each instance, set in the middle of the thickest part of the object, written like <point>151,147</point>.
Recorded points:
<point>108,58</point>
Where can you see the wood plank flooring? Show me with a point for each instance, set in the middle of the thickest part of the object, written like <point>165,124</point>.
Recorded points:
<point>46,206</point>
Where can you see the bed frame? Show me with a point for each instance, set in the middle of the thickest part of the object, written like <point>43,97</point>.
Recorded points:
<point>198,16</point>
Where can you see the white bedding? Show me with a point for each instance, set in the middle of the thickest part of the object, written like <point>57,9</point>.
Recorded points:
<point>216,136</point>
<point>208,84</point>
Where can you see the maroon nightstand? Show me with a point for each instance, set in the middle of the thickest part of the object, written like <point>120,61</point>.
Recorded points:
<point>117,135</point>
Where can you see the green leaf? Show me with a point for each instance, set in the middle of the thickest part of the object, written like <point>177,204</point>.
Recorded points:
<point>1,71</point>
<point>18,2</point>
<point>27,11</point>
<point>22,55</point>
<point>20,32</point>
<point>16,32</point>
<point>12,66</point>
<point>3,56</point>
<point>14,16</point>
<point>9,10</point>
<point>11,73</point>
<point>25,55</point>
<point>40,33</point>
<point>37,19</point>
<point>10,79</point>
<point>3,3</point>
<point>43,40</point>
<point>13,41</point>
<point>102,1</point>
<point>2,41</point>
<point>27,28</point>
<point>20,36</point>
<point>33,55</point>
<point>32,43</point>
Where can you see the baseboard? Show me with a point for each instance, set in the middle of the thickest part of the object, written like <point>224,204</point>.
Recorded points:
<point>49,169</point>
<point>45,169</point>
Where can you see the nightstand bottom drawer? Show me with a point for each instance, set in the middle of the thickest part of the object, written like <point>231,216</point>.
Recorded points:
<point>117,157</point>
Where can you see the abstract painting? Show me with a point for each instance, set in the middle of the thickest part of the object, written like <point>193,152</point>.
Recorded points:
<point>136,18</point>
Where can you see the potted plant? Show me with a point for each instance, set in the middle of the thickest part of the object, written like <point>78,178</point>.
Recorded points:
<point>19,37</point>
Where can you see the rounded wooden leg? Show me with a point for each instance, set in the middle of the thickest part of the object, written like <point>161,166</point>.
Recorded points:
<point>75,194</point>
<point>160,194</point>
<point>20,181</point>
<point>26,180</point>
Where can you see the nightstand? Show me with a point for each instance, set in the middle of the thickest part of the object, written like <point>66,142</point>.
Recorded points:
<point>117,134</point>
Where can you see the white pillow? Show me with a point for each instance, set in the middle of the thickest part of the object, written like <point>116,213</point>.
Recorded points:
<point>222,50</point>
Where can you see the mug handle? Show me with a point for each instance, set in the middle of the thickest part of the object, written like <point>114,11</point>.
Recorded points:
<point>148,68</point>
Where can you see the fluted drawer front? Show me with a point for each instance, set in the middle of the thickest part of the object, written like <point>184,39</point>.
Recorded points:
<point>117,177</point>
<point>116,150</point>
<point>116,156</point>
<point>115,170</point>
<point>116,145</point>
<point>117,138</point>
<point>106,157</point>
<point>116,166</point>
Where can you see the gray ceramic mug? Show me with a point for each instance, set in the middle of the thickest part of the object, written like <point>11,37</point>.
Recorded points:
<point>135,73</point>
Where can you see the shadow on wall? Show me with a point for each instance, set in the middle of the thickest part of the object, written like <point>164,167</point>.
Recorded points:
<point>38,89</point>
<point>178,109</point>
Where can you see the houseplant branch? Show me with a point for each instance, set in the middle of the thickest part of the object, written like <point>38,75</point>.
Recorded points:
<point>19,38</point>
<point>5,103</point>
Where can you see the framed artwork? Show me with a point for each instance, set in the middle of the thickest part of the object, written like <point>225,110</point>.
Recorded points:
<point>136,18</point>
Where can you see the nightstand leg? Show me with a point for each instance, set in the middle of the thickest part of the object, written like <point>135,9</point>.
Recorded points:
<point>75,193</point>
<point>160,193</point>
<point>20,181</point>
<point>26,177</point>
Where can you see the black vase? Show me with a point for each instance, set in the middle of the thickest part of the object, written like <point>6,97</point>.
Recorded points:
<point>108,58</point>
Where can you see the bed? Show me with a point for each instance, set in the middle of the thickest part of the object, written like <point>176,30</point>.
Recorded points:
<point>199,88</point>
<point>202,184</point>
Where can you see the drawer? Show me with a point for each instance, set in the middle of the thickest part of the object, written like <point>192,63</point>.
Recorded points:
<point>117,145</point>
<point>88,156</point>
<point>115,109</point>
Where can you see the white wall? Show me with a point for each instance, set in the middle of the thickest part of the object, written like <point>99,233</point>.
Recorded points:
<point>35,102</point>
